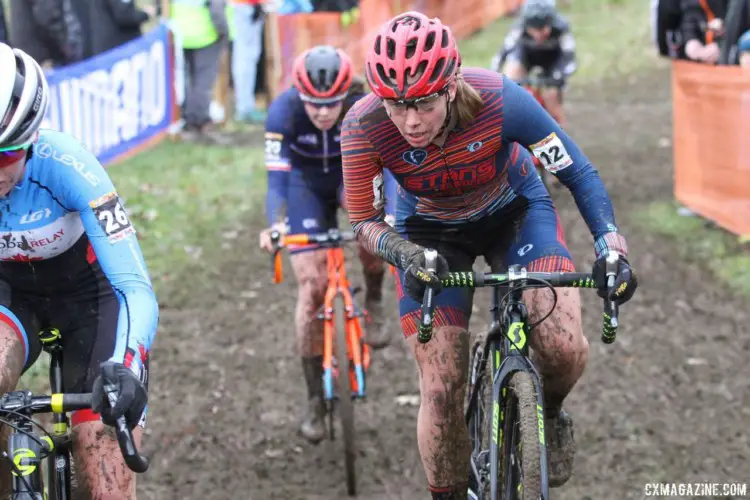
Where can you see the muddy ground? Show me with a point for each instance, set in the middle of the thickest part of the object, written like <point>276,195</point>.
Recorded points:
<point>668,402</point>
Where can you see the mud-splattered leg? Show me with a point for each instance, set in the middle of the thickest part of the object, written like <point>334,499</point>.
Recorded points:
<point>311,272</point>
<point>559,348</point>
<point>101,470</point>
<point>12,355</point>
<point>441,430</point>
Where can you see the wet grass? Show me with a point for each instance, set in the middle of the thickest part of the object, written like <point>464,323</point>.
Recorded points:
<point>701,242</point>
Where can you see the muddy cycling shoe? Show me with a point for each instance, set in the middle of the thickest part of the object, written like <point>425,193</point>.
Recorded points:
<point>313,427</point>
<point>376,334</point>
<point>561,448</point>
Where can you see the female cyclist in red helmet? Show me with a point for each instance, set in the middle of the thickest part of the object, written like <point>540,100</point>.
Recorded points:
<point>454,140</point>
<point>303,158</point>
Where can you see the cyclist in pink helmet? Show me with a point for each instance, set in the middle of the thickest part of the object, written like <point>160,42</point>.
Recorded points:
<point>455,139</point>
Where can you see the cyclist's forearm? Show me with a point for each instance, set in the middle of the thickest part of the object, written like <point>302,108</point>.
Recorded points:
<point>567,64</point>
<point>382,240</point>
<point>567,60</point>
<point>276,197</point>
<point>136,324</point>
<point>595,206</point>
<point>275,203</point>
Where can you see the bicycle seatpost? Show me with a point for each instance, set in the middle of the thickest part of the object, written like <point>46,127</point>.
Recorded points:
<point>425,326</point>
<point>609,330</point>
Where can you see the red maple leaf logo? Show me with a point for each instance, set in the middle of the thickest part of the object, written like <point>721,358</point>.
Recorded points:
<point>22,258</point>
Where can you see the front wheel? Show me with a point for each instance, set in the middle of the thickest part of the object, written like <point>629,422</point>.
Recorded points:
<point>345,403</point>
<point>521,445</point>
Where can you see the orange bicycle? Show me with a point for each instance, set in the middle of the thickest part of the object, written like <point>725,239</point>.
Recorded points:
<point>342,321</point>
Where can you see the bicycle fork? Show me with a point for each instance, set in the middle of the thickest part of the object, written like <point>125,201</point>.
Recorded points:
<point>352,329</point>
<point>506,350</point>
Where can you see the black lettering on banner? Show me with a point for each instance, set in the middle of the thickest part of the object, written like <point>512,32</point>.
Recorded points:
<point>112,217</point>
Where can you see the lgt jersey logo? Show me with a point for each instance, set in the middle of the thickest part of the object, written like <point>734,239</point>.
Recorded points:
<point>35,216</point>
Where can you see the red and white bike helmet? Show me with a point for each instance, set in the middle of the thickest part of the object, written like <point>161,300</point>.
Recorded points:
<point>412,56</point>
<point>323,74</point>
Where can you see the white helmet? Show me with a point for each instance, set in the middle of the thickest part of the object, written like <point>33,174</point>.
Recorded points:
<point>24,95</point>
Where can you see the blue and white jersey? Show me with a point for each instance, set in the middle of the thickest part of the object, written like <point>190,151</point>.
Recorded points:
<point>64,219</point>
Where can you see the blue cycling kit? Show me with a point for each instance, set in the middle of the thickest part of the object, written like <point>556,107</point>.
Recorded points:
<point>63,224</point>
<point>477,195</point>
<point>304,167</point>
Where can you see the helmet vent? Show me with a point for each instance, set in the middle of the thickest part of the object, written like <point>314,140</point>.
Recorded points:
<point>390,48</point>
<point>438,70</point>
<point>411,47</point>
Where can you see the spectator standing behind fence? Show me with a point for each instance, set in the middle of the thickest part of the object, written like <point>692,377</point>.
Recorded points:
<point>736,23</point>
<point>702,28</point>
<point>115,22</point>
<point>201,26</point>
<point>743,49</point>
<point>249,17</point>
<point>47,30</point>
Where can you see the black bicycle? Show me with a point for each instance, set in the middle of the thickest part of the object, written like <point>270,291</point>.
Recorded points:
<point>27,449</point>
<point>505,407</point>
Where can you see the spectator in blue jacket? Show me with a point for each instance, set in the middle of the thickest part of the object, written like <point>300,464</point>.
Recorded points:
<point>743,47</point>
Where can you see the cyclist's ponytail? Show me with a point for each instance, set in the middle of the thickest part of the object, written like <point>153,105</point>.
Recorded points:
<point>468,101</point>
<point>358,85</point>
<point>356,90</point>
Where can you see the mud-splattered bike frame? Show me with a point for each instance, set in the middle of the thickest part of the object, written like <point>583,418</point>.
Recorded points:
<point>28,449</point>
<point>505,406</point>
<point>342,324</point>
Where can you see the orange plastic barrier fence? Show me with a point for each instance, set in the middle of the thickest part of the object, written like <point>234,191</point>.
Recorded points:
<point>711,117</point>
<point>289,35</point>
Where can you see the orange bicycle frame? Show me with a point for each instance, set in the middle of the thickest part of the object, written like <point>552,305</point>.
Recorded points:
<point>338,284</point>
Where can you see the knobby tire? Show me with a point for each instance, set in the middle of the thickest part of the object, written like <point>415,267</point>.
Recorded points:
<point>346,405</point>
<point>522,430</point>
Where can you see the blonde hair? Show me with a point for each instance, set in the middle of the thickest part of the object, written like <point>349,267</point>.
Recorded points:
<point>468,102</point>
<point>358,86</point>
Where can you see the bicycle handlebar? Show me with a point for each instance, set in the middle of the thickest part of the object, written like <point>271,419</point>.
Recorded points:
<point>472,279</point>
<point>63,403</point>
<point>329,239</point>
<point>540,81</point>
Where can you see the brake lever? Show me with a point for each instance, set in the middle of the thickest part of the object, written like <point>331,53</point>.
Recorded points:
<point>425,325</point>
<point>611,309</point>
<point>134,460</point>
<point>276,242</point>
